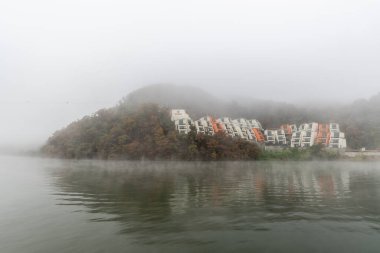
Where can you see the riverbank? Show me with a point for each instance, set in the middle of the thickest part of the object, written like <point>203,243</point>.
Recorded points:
<point>317,152</point>
<point>363,155</point>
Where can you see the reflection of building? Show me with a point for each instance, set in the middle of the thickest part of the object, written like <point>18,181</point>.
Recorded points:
<point>307,135</point>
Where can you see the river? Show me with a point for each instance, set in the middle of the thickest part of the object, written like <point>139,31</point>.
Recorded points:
<point>51,205</point>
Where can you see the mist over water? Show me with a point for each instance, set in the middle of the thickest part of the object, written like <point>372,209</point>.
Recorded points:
<point>98,206</point>
<point>275,61</point>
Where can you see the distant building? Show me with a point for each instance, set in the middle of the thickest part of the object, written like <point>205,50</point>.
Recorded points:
<point>311,134</point>
<point>205,125</point>
<point>289,129</point>
<point>177,114</point>
<point>230,127</point>
<point>337,138</point>
<point>250,130</point>
<point>275,137</point>
<point>323,134</point>
<point>306,135</point>
<point>182,121</point>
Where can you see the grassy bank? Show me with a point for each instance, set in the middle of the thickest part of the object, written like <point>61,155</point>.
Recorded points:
<point>304,154</point>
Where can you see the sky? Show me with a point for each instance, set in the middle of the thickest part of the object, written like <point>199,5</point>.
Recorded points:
<point>61,60</point>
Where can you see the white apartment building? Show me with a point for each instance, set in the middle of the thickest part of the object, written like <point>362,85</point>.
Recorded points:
<point>275,137</point>
<point>310,134</point>
<point>337,139</point>
<point>182,121</point>
<point>307,135</point>
<point>204,125</point>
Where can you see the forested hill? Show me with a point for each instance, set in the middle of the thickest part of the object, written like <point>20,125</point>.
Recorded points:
<point>361,122</point>
<point>135,130</point>
<point>141,132</point>
<point>360,119</point>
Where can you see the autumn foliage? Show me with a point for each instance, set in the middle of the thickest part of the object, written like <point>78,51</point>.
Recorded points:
<point>145,132</point>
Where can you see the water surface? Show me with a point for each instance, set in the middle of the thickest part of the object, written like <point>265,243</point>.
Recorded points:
<point>95,206</point>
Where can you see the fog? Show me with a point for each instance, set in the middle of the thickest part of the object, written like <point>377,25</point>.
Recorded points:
<point>61,60</point>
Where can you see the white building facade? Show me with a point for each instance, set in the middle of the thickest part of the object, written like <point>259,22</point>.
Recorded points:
<point>306,135</point>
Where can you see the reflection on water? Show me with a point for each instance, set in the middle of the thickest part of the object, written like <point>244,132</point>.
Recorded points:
<point>92,206</point>
<point>162,202</point>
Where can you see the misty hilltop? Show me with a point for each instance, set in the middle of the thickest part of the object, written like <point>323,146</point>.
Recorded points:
<point>197,101</point>
<point>360,119</point>
<point>200,103</point>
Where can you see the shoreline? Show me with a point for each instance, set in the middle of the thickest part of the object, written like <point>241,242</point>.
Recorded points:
<point>346,156</point>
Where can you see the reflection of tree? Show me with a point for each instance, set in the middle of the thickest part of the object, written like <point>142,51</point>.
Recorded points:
<point>121,190</point>
<point>169,197</point>
<point>365,191</point>
<point>213,184</point>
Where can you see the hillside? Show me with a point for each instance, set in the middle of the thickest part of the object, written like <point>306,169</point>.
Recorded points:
<point>141,132</point>
<point>360,119</point>
<point>200,103</point>
<point>195,100</point>
<point>361,122</point>
<point>135,130</point>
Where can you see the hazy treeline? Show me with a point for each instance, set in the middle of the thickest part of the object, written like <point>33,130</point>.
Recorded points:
<point>135,129</point>
<point>141,132</point>
<point>359,120</point>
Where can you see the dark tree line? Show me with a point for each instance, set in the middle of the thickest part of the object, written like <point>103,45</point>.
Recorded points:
<point>145,132</point>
